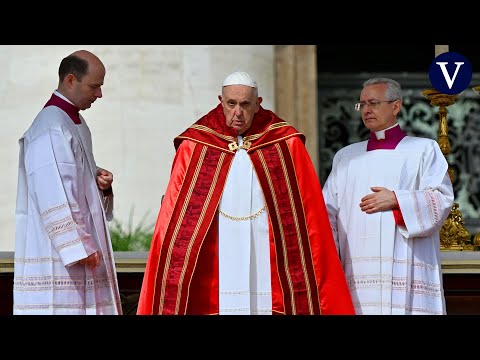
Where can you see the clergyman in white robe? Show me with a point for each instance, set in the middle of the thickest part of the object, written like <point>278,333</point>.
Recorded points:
<point>391,268</point>
<point>61,218</point>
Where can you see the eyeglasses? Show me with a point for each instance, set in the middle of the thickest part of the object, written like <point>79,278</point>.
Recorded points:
<point>373,104</point>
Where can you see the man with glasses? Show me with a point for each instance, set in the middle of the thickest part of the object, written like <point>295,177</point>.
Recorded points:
<point>387,199</point>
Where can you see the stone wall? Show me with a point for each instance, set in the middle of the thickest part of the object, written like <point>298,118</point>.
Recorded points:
<point>151,94</point>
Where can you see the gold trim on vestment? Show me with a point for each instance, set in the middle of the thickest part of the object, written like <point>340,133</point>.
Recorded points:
<point>177,227</point>
<point>207,129</point>
<point>280,225</point>
<point>197,229</point>
<point>297,226</point>
<point>271,127</point>
<point>233,145</point>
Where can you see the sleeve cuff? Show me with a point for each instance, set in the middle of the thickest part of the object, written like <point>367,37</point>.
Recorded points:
<point>397,213</point>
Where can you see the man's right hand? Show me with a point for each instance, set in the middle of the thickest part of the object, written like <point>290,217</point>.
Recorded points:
<point>382,199</point>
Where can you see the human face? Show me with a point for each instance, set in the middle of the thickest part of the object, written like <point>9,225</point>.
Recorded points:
<point>382,116</point>
<point>240,104</point>
<point>86,91</point>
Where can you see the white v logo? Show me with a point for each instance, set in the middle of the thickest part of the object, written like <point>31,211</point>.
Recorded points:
<point>445,72</point>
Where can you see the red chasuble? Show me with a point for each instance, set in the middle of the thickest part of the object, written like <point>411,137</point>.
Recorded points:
<point>181,276</point>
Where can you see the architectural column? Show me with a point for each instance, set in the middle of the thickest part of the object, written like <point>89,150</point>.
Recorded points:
<point>296,91</point>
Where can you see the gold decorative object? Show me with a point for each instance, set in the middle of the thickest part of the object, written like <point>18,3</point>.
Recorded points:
<point>476,242</point>
<point>233,146</point>
<point>454,236</point>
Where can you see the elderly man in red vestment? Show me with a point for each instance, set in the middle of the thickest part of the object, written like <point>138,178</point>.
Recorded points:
<point>243,227</point>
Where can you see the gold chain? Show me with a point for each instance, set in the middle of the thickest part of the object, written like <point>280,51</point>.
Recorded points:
<point>243,218</point>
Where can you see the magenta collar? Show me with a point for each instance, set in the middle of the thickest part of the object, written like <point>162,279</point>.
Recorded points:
<point>392,137</point>
<point>70,109</point>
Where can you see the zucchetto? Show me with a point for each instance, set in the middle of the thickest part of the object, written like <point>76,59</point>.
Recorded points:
<point>240,78</point>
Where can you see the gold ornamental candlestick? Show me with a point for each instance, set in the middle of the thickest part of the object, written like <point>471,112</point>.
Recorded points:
<point>454,236</point>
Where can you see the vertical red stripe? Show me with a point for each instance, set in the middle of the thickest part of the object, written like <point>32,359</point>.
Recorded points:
<point>286,206</point>
<point>188,223</point>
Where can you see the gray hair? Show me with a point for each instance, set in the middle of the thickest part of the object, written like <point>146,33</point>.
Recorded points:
<point>394,90</point>
<point>254,90</point>
<point>241,78</point>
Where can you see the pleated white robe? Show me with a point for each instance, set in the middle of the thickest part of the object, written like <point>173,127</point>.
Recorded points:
<point>391,269</point>
<point>243,245</point>
<point>61,218</point>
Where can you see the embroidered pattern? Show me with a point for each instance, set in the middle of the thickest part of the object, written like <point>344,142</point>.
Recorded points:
<point>40,260</point>
<point>59,227</point>
<point>54,209</point>
<point>72,206</point>
<point>370,286</point>
<point>433,201</point>
<point>59,283</point>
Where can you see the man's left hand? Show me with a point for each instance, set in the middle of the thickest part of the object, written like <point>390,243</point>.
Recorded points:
<point>104,179</point>
<point>382,199</point>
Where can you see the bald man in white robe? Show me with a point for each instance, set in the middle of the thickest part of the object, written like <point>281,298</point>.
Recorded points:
<point>64,261</point>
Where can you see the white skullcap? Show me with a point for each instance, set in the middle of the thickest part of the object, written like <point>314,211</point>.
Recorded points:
<point>240,78</point>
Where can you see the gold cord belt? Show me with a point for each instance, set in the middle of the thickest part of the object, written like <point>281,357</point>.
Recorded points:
<point>243,218</point>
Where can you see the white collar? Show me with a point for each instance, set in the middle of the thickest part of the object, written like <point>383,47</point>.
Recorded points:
<point>63,97</point>
<point>381,134</point>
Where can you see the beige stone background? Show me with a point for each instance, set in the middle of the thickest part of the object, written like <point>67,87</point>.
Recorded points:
<point>151,94</point>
